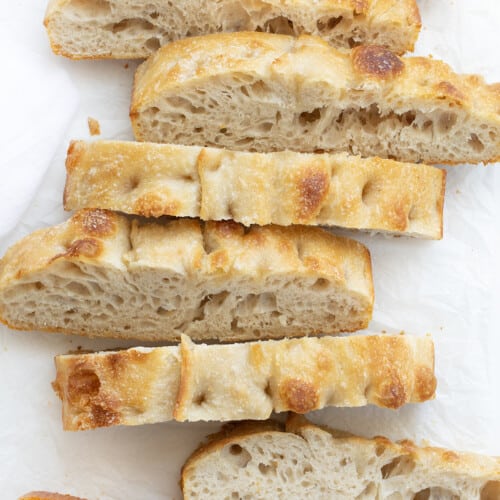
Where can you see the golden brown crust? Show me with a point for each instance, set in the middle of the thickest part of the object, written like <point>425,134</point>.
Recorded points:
<point>377,62</point>
<point>209,251</point>
<point>241,381</point>
<point>433,465</point>
<point>395,85</point>
<point>282,188</point>
<point>45,495</point>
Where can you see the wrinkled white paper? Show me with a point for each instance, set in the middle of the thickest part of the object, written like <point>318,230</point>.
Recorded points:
<point>450,288</point>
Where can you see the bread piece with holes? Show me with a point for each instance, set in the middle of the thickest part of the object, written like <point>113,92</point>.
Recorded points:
<point>264,92</point>
<point>196,382</point>
<point>102,274</point>
<point>256,188</point>
<point>135,28</point>
<point>301,460</point>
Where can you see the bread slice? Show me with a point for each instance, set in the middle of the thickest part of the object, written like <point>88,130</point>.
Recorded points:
<point>255,188</point>
<point>101,274</point>
<point>45,495</point>
<point>264,92</point>
<point>136,28</point>
<point>301,460</point>
<point>242,381</point>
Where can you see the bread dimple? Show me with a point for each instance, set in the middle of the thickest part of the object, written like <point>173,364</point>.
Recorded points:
<point>281,188</point>
<point>242,381</point>
<point>303,95</point>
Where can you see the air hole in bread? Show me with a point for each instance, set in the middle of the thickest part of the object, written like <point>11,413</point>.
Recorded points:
<point>259,88</point>
<point>307,468</point>
<point>379,450</point>
<point>326,24</point>
<point>475,143</point>
<point>154,15</point>
<point>281,25</point>
<point>403,464</point>
<point>265,127</point>
<point>78,289</point>
<point>447,121</point>
<point>90,8</point>
<point>422,494</point>
<point>321,284</point>
<point>408,118</point>
<point>238,455</point>
<point>267,469</point>
<point>134,24</point>
<point>490,491</point>
<point>309,117</point>
<point>234,495</point>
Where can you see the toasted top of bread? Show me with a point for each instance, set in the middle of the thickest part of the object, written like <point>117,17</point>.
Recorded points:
<point>256,188</point>
<point>240,381</point>
<point>264,92</point>
<point>101,273</point>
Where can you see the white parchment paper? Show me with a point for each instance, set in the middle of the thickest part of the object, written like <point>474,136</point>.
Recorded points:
<point>449,288</point>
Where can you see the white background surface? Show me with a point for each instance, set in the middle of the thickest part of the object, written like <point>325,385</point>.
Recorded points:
<point>449,288</point>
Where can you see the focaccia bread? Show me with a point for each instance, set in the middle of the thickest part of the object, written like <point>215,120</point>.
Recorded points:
<point>136,28</point>
<point>262,460</point>
<point>264,92</point>
<point>242,381</point>
<point>256,188</point>
<point>102,274</point>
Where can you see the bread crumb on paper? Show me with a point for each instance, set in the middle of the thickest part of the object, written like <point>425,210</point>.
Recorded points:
<point>94,126</point>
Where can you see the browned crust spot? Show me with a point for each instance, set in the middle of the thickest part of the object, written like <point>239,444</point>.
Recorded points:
<point>393,393</point>
<point>299,396</point>
<point>83,384</point>
<point>119,361</point>
<point>425,383</point>
<point>73,155</point>
<point>360,7</point>
<point>152,205</point>
<point>227,228</point>
<point>313,188</point>
<point>98,222</point>
<point>377,61</point>
<point>103,416</point>
<point>448,90</point>
<point>87,247</point>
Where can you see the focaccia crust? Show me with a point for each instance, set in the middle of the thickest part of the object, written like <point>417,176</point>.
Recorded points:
<point>102,274</point>
<point>282,188</point>
<point>262,92</point>
<point>196,382</point>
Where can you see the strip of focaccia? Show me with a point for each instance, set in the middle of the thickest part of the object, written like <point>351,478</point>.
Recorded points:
<point>263,92</point>
<point>263,460</point>
<point>242,381</point>
<point>124,29</point>
<point>101,274</point>
<point>256,188</point>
